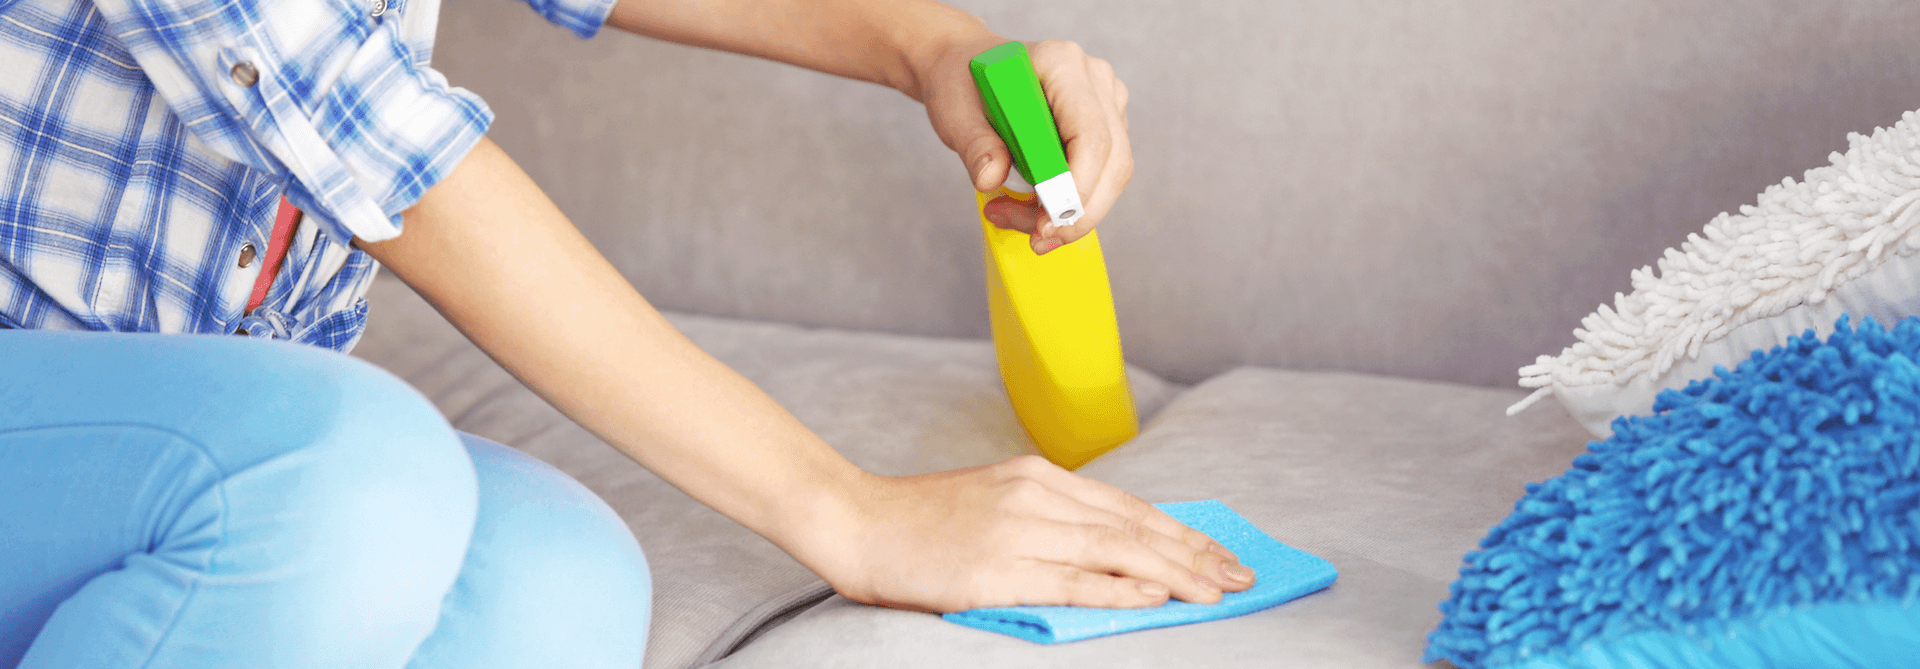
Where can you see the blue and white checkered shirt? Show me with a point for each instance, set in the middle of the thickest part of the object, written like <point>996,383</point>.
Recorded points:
<point>145,143</point>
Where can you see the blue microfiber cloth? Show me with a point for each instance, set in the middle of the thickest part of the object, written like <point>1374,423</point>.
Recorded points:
<point>1283,573</point>
<point>1758,500</point>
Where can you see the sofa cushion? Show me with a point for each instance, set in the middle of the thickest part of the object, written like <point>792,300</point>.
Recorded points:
<point>892,404</point>
<point>1391,480</point>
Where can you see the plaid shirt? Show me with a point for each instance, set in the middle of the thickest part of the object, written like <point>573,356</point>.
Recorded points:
<point>146,143</point>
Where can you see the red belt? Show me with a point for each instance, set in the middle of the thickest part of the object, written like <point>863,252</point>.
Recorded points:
<point>283,222</point>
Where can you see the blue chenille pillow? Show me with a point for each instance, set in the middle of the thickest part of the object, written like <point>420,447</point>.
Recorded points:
<point>1765,517</point>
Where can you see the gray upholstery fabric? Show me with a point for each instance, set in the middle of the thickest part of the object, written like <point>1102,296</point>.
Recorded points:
<point>892,404</point>
<point>1427,189</point>
<point>1433,190</point>
<point>1391,480</point>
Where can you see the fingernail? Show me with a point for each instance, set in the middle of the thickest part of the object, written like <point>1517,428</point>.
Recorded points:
<point>1152,589</point>
<point>1238,573</point>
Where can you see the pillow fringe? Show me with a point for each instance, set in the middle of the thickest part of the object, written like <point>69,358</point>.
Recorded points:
<point>1793,246</point>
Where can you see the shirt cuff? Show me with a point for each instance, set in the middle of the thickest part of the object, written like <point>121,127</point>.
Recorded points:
<point>583,17</point>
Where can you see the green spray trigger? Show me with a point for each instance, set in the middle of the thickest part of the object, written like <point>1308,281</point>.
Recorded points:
<point>1017,108</point>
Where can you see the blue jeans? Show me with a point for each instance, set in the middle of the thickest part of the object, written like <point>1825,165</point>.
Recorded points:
<point>211,502</point>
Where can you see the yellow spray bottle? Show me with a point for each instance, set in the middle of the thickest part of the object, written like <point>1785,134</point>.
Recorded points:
<point>1054,329</point>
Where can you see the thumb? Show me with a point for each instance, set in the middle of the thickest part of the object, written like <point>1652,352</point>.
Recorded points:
<point>963,127</point>
<point>985,155</point>
<point>959,117</point>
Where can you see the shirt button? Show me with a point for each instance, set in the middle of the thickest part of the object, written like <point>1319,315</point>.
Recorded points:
<point>244,74</point>
<point>379,7</point>
<point>247,254</point>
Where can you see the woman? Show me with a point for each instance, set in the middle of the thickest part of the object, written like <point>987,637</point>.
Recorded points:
<point>229,501</point>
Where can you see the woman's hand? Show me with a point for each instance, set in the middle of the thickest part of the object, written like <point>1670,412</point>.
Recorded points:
<point>921,48</point>
<point>1020,532</point>
<point>1089,107</point>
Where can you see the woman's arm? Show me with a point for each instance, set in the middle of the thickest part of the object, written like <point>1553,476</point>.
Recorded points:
<point>887,42</point>
<point>493,254</point>
<point>921,48</point>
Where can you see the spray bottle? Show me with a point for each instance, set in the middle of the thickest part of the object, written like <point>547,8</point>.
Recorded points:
<point>1054,329</point>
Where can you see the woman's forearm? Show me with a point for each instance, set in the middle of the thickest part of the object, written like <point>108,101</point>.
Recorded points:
<point>503,264</point>
<point>488,249</point>
<point>887,42</point>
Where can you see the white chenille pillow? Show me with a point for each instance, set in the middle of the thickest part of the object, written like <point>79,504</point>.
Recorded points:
<point>1840,241</point>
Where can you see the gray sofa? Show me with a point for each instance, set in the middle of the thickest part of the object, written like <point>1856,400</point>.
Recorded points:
<point>1350,222</point>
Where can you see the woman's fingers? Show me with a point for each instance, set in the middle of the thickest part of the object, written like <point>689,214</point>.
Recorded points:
<point>1177,544</point>
<point>1079,112</point>
<point>1188,546</point>
<point>1110,543</point>
<point>1103,550</point>
<point>1089,106</point>
<point>1024,216</point>
<point>1106,496</point>
<point>1013,214</point>
<point>1117,171</point>
<point>1062,585</point>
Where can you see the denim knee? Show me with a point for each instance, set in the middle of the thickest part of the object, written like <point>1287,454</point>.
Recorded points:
<point>370,473</point>
<point>553,577</point>
<point>326,515</point>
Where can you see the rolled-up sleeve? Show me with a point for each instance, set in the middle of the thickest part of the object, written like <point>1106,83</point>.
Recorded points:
<point>583,17</point>
<point>329,92</point>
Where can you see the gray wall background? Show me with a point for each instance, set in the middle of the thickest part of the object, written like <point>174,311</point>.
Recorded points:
<point>1429,189</point>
